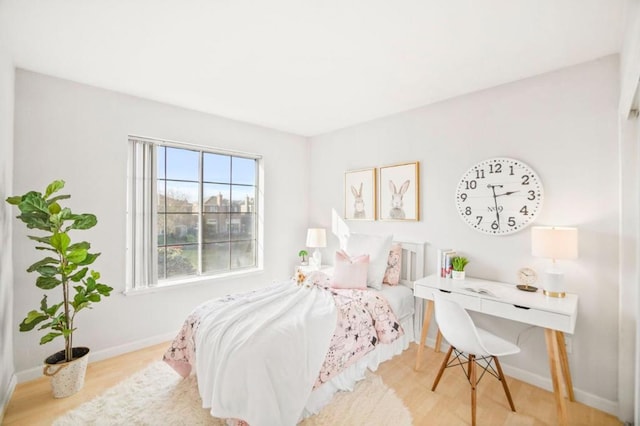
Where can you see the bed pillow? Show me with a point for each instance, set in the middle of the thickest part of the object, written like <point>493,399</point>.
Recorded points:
<point>377,247</point>
<point>350,272</point>
<point>394,263</point>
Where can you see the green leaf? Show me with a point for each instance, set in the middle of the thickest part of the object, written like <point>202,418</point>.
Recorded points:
<point>104,290</point>
<point>54,208</point>
<point>14,200</point>
<point>47,270</point>
<point>45,325</point>
<point>36,221</point>
<point>43,303</point>
<point>47,283</point>
<point>91,257</point>
<point>54,186</point>
<point>91,285</point>
<point>43,262</point>
<point>60,242</point>
<point>77,255</point>
<point>49,337</point>
<point>51,311</point>
<point>44,240</point>
<point>58,198</point>
<point>94,297</point>
<point>84,221</point>
<point>33,318</point>
<point>33,203</point>
<point>81,245</point>
<point>78,276</point>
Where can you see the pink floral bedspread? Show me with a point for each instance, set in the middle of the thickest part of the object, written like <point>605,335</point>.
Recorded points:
<point>364,320</point>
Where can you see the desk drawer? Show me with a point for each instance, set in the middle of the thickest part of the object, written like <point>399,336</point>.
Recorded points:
<point>530,316</point>
<point>467,302</point>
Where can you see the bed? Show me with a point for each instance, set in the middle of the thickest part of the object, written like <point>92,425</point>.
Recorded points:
<point>278,354</point>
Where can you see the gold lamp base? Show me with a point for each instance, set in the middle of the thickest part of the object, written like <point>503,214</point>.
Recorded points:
<point>554,293</point>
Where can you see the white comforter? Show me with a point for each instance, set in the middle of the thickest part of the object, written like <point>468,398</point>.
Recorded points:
<point>281,361</point>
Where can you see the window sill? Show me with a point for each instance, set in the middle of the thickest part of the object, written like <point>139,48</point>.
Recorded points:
<point>188,282</point>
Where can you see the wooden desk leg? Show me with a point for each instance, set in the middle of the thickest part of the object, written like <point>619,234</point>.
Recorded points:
<point>428,312</point>
<point>554,366</point>
<point>438,341</point>
<point>564,364</point>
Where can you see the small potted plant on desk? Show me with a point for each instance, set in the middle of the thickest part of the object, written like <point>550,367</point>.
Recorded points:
<point>65,267</point>
<point>458,263</point>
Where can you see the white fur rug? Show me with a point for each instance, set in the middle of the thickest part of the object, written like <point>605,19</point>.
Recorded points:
<point>159,396</point>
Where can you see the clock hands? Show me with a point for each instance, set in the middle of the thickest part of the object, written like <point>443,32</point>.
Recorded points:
<point>506,193</point>
<point>495,201</point>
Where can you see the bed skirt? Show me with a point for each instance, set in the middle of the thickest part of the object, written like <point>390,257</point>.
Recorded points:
<point>346,380</point>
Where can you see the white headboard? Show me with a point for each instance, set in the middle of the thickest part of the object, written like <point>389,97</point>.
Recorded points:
<point>413,265</point>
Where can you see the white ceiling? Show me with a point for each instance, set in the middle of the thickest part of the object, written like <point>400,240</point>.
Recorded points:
<point>305,66</point>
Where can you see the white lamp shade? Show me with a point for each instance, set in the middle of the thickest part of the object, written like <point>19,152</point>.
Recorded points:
<point>554,242</point>
<point>316,237</point>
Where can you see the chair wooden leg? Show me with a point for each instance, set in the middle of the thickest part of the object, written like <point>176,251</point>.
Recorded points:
<point>472,379</point>
<point>505,386</point>
<point>442,367</point>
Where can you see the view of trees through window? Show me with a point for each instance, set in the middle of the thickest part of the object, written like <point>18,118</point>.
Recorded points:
<point>206,215</point>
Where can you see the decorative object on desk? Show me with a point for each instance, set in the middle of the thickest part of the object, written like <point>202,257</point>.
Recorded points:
<point>458,263</point>
<point>316,238</point>
<point>303,257</point>
<point>360,194</point>
<point>526,277</point>
<point>444,267</point>
<point>399,192</point>
<point>554,242</point>
<point>499,196</point>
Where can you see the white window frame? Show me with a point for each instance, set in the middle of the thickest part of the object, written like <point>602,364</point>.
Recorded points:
<point>142,215</point>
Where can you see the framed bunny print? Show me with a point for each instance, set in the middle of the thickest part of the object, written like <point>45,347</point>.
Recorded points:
<point>399,192</point>
<point>360,194</point>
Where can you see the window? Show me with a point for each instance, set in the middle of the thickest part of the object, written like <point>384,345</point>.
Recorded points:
<point>192,212</point>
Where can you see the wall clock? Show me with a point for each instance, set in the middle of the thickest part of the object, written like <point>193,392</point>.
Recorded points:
<point>499,196</point>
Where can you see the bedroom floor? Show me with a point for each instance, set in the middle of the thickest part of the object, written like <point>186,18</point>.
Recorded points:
<point>32,403</point>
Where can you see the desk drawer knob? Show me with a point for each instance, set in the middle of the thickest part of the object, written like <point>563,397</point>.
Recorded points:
<point>521,307</point>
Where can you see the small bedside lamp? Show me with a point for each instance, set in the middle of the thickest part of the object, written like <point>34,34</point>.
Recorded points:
<point>554,242</point>
<point>316,237</point>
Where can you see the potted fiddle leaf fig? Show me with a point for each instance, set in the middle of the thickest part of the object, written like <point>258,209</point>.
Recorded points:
<point>64,268</point>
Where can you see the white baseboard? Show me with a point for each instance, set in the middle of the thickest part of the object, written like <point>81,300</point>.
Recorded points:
<point>586,398</point>
<point>6,396</point>
<point>34,373</point>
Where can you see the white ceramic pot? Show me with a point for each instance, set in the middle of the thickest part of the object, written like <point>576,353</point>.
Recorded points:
<point>457,275</point>
<point>67,378</point>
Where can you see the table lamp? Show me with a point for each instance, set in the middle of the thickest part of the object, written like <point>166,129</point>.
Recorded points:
<point>316,238</point>
<point>554,242</point>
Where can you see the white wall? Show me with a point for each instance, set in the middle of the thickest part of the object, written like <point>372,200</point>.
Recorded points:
<point>629,356</point>
<point>7,377</point>
<point>564,125</point>
<point>69,131</point>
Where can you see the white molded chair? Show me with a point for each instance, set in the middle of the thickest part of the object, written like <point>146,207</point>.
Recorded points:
<point>480,346</point>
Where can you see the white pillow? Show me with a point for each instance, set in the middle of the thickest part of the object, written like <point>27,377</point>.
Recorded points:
<point>377,247</point>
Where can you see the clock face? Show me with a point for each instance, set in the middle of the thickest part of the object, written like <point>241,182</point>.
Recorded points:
<point>499,196</point>
<point>527,276</point>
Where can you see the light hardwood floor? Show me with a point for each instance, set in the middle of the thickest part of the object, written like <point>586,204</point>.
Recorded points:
<point>32,403</point>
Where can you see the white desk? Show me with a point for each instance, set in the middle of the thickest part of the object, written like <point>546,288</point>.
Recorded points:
<point>555,315</point>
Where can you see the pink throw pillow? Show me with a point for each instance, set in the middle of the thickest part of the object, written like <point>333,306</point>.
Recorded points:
<point>350,272</point>
<point>394,263</point>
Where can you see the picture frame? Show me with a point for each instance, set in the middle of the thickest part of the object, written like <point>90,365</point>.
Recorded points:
<point>360,194</point>
<point>400,192</point>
